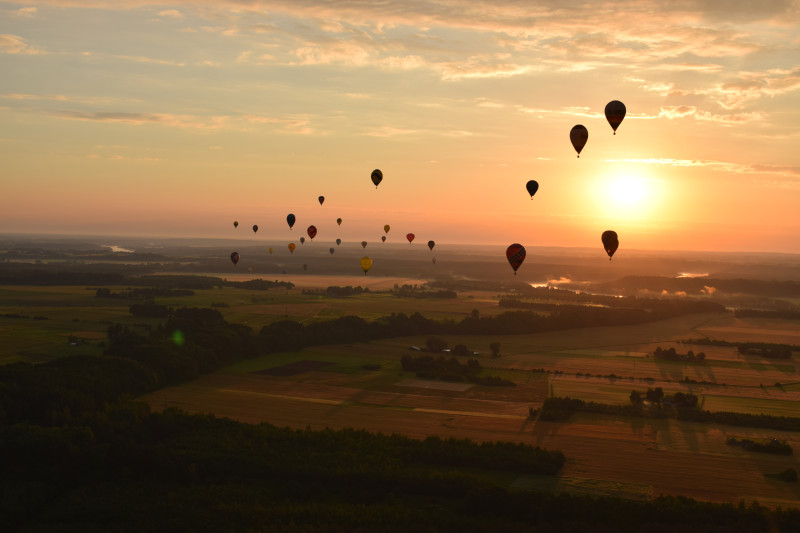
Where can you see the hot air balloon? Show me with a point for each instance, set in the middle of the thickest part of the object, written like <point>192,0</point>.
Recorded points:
<point>292,246</point>
<point>338,242</point>
<point>235,258</point>
<point>290,220</point>
<point>305,267</point>
<point>383,238</point>
<point>255,228</point>
<point>610,242</point>
<point>321,200</point>
<point>331,250</point>
<point>376,176</point>
<point>366,264</point>
<point>386,228</point>
<point>302,240</point>
<point>578,135</point>
<point>431,244</point>
<point>363,244</point>
<point>235,223</point>
<point>615,112</point>
<point>532,187</point>
<point>410,237</point>
<point>515,255</point>
<point>270,250</point>
<point>339,221</point>
<point>312,232</point>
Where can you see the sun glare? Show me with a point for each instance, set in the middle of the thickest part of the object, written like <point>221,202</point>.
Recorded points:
<point>629,195</point>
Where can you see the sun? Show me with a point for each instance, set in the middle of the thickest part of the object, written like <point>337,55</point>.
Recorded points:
<point>628,191</point>
<point>628,195</point>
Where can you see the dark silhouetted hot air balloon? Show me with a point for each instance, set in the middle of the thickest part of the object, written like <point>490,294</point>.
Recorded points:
<point>290,220</point>
<point>431,244</point>
<point>410,237</point>
<point>255,228</point>
<point>377,177</point>
<point>366,264</point>
<point>321,200</point>
<point>383,238</point>
<point>312,232</point>
<point>515,255</point>
<point>235,223</point>
<point>615,112</point>
<point>578,135</point>
<point>302,240</point>
<point>292,246</point>
<point>331,251</point>
<point>235,258</point>
<point>339,221</point>
<point>386,228</point>
<point>532,187</point>
<point>338,242</point>
<point>610,242</point>
<point>363,244</point>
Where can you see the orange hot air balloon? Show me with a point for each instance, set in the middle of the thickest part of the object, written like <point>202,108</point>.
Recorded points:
<point>615,112</point>
<point>610,242</point>
<point>270,250</point>
<point>377,177</point>
<point>386,228</point>
<point>366,264</point>
<point>235,258</point>
<point>578,135</point>
<point>515,255</point>
<point>312,232</point>
<point>410,237</point>
<point>292,246</point>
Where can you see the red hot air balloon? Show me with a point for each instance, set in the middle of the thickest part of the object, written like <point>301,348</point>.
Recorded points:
<point>515,255</point>
<point>383,238</point>
<point>312,232</point>
<point>321,200</point>
<point>610,242</point>
<point>615,112</point>
<point>431,244</point>
<point>578,135</point>
<point>235,258</point>
<point>410,237</point>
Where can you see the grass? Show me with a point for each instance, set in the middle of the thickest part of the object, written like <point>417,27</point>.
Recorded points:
<point>591,487</point>
<point>776,407</point>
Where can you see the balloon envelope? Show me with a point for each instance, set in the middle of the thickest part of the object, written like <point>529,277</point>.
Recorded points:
<point>377,177</point>
<point>610,242</point>
<point>292,246</point>
<point>235,223</point>
<point>532,187</point>
<point>383,238</point>
<point>255,228</point>
<point>290,220</point>
<point>339,221</point>
<point>338,242</point>
<point>302,240</point>
<point>515,255</point>
<point>615,112</point>
<point>363,244</point>
<point>366,264</point>
<point>321,200</point>
<point>431,244</point>
<point>312,231</point>
<point>386,228</point>
<point>331,250</point>
<point>410,237</point>
<point>578,135</point>
<point>270,250</point>
<point>235,258</point>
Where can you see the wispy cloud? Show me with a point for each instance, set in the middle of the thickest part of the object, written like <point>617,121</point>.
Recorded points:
<point>738,168</point>
<point>14,44</point>
<point>25,12</point>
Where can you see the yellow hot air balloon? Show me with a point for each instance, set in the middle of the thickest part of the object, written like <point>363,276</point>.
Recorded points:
<point>292,246</point>
<point>386,228</point>
<point>366,264</point>
<point>270,250</point>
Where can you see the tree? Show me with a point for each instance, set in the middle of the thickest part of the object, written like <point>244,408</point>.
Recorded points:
<point>495,348</point>
<point>435,344</point>
<point>460,349</point>
<point>655,395</point>
<point>636,397</point>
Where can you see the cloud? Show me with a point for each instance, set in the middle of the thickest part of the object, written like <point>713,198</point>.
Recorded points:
<point>171,13</point>
<point>25,12</point>
<point>14,44</point>
<point>725,166</point>
<point>135,59</point>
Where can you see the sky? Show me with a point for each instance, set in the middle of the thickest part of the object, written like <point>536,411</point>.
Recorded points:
<point>177,118</point>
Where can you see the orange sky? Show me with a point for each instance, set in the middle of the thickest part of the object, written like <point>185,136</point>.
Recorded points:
<point>178,118</point>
